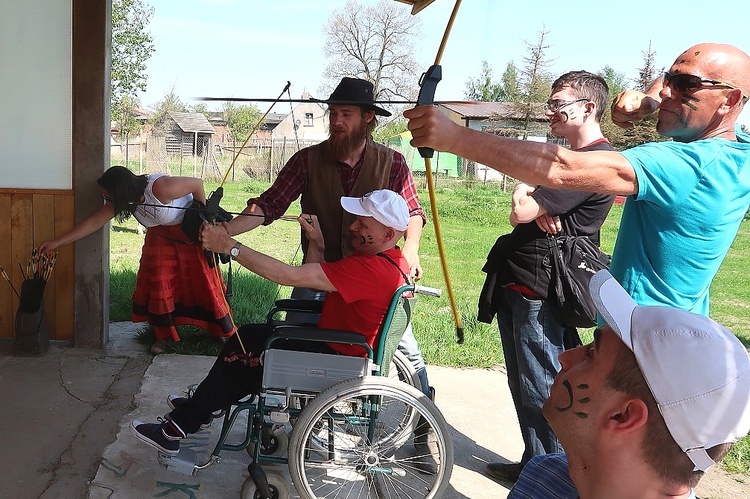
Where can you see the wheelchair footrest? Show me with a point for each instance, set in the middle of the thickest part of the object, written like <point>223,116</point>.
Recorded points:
<point>183,463</point>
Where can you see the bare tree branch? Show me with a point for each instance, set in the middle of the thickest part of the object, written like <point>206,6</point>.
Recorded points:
<point>374,43</point>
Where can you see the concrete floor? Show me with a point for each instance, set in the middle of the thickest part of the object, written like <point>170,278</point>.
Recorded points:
<point>64,421</point>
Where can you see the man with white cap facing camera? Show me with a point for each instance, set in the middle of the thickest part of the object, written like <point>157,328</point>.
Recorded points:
<point>359,290</point>
<point>653,402</point>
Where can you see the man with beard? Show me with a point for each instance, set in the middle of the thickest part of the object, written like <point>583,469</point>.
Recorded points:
<point>349,163</point>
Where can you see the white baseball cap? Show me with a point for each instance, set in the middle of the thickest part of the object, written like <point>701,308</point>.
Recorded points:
<point>383,205</point>
<point>697,371</point>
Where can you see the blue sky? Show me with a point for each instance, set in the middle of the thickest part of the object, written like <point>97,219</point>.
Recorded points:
<point>250,48</point>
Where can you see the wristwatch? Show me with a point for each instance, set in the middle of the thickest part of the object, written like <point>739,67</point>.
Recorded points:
<point>235,251</point>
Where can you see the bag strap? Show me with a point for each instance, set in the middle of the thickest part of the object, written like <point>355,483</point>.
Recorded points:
<point>407,279</point>
<point>557,264</point>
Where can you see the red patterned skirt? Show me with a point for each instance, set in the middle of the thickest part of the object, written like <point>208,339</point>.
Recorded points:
<point>175,286</point>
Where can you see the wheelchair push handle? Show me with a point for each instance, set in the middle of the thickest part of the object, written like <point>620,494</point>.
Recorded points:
<point>424,290</point>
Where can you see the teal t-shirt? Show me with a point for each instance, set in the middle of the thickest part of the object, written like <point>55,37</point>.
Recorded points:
<point>675,232</point>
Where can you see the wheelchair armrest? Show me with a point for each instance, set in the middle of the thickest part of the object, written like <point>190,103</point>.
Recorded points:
<point>294,305</point>
<point>312,333</point>
<point>314,306</point>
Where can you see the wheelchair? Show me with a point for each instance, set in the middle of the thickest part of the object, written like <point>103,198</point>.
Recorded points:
<point>345,426</point>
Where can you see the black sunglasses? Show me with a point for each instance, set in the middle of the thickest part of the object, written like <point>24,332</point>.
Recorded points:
<point>690,83</point>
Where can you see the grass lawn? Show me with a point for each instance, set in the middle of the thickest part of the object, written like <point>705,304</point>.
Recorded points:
<point>472,216</point>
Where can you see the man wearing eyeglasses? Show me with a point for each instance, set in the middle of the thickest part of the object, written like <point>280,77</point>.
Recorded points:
<point>686,199</point>
<point>532,334</point>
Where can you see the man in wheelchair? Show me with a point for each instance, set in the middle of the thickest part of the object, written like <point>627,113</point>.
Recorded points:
<point>359,289</point>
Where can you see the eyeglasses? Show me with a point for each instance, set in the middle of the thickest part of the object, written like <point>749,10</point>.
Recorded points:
<point>691,83</point>
<point>559,104</point>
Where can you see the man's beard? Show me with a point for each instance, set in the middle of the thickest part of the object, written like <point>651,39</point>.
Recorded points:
<point>342,147</point>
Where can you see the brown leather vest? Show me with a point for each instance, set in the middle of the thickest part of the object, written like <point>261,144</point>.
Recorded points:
<point>324,191</point>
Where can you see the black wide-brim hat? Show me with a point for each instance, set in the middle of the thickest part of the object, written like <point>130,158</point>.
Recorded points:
<point>355,92</point>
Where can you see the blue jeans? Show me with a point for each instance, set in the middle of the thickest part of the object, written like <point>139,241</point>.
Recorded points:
<point>532,339</point>
<point>408,344</point>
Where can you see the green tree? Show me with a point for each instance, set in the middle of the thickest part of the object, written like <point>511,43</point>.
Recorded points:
<point>648,72</point>
<point>535,82</point>
<point>200,107</point>
<point>511,85</point>
<point>132,46</point>
<point>527,88</point>
<point>390,129</point>
<point>644,130</point>
<point>375,43</point>
<point>171,103</point>
<point>617,83</point>
<point>483,88</point>
<point>241,119</point>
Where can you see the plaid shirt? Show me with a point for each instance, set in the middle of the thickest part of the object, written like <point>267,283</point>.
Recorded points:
<point>546,477</point>
<point>292,182</point>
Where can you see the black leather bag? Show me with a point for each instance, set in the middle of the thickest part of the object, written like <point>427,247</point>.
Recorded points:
<point>194,217</point>
<point>574,260</point>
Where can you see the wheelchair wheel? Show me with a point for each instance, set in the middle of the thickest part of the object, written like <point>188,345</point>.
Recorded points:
<point>277,482</point>
<point>278,441</point>
<point>403,370</point>
<point>343,443</point>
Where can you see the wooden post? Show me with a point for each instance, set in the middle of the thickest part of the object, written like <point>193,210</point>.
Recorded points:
<point>195,153</point>
<point>270,164</point>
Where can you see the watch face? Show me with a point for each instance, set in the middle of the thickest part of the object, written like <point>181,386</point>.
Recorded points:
<point>234,251</point>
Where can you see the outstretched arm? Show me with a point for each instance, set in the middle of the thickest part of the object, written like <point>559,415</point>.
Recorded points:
<point>534,163</point>
<point>83,229</point>
<point>244,223</point>
<point>310,275</point>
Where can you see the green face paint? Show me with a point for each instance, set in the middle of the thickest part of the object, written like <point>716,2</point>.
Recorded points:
<point>572,399</point>
<point>689,104</point>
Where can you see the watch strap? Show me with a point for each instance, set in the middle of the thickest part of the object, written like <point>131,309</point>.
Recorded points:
<point>234,252</point>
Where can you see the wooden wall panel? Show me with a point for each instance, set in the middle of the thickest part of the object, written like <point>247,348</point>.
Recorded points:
<point>64,271</point>
<point>32,218</point>
<point>44,230</point>
<point>7,297</point>
<point>22,235</point>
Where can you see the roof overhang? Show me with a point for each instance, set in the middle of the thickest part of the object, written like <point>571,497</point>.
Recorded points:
<point>416,5</point>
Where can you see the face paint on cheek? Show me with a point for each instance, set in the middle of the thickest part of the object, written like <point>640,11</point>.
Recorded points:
<point>370,240</point>
<point>564,116</point>
<point>571,399</point>
<point>686,100</point>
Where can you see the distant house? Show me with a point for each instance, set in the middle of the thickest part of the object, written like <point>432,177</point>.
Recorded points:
<point>223,136</point>
<point>188,134</point>
<point>270,123</point>
<point>307,119</point>
<point>501,118</point>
